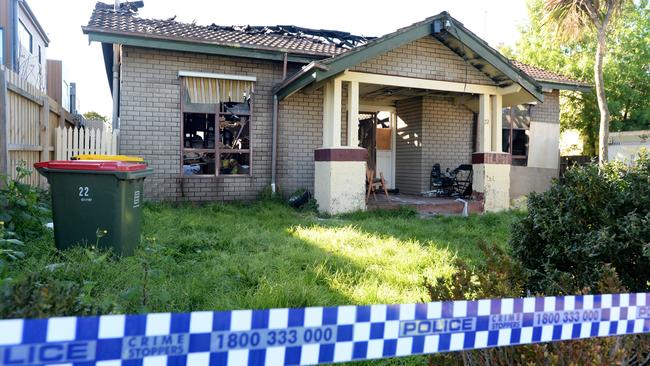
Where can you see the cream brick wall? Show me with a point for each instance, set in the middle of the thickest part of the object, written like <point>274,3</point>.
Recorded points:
<point>425,58</point>
<point>150,122</point>
<point>433,130</point>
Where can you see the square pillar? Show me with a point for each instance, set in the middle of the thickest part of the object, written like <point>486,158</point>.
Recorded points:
<point>496,103</point>
<point>491,180</point>
<point>339,179</point>
<point>353,114</point>
<point>484,128</point>
<point>332,113</point>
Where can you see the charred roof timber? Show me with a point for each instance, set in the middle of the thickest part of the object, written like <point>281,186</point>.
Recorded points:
<point>324,36</point>
<point>129,6</point>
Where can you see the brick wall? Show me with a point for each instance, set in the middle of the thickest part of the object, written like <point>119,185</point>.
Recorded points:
<point>431,130</point>
<point>426,58</point>
<point>549,111</point>
<point>408,146</point>
<point>150,121</point>
<point>300,131</point>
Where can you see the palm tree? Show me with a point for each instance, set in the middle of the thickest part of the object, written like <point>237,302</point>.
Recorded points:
<point>572,18</point>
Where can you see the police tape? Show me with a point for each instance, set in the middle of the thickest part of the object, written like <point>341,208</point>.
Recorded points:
<point>314,335</point>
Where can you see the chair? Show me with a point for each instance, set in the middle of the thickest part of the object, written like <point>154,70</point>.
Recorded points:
<point>439,184</point>
<point>463,176</point>
<point>374,183</point>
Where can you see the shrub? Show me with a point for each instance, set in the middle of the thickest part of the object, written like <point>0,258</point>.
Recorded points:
<point>23,209</point>
<point>500,277</point>
<point>9,247</point>
<point>592,219</point>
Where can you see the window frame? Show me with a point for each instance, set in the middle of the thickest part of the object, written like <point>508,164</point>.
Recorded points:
<point>217,112</point>
<point>511,130</point>
<point>23,28</point>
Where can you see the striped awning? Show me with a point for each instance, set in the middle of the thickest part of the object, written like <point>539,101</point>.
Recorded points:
<point>203,90</point>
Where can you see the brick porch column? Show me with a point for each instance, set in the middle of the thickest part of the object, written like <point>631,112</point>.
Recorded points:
<point>339,179</point>
<point>340,171</point>
<point>491,166</point>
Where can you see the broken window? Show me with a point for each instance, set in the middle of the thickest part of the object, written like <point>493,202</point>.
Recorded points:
<point>516,131</point>
<point>216,125</point>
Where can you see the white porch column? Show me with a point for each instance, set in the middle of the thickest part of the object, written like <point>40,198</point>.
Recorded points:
<point>496,102</point>
<point>332,113</point>
<point>491,166</point>
<point>484,130</point>
<point>339,171</point>
<point>353,114</point>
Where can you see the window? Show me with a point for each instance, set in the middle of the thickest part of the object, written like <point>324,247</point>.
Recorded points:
<point>516,130</point>
<point>25,38</point>
<point>216,125</point>
<point>2,46</point>
<point>40,59</point>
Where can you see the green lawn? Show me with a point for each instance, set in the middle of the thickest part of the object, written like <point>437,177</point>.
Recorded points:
<point>261,255</point>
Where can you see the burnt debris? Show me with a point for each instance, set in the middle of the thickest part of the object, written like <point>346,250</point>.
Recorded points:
<point>324,36</point>
<point>127,6</point>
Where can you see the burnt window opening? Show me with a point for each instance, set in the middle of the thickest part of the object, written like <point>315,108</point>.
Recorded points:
<point>516,133</point>
<point>216,134</point>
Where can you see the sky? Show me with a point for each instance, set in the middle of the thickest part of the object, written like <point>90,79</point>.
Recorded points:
<point>496,21</point>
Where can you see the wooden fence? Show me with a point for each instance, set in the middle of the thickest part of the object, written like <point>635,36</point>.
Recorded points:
<point>71,141</point>
<point>28,119</point>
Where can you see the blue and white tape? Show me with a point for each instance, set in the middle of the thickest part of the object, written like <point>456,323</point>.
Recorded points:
<point>315,335</point>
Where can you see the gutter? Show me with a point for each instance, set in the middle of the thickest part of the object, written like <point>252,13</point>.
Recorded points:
<point>278,53</point>
<point>314,65</point>
<point>552,84</point>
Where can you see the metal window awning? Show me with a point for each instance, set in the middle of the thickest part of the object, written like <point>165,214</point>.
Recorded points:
<point>212,88</point>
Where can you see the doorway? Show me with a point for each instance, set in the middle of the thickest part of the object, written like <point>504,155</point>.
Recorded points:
<point>376,134</point>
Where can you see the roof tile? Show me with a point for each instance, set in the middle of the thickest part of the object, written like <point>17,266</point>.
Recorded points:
<point>105,19</point>
<point>540,74</point>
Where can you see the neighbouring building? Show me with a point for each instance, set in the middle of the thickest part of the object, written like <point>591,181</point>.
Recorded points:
<point>626,146</point>
<point>23,42</point>
<point>222,112</point>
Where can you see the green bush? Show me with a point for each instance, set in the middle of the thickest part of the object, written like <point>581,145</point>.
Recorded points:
<point>593,219</point>
<point>500,277</point>
<point>23,209</point>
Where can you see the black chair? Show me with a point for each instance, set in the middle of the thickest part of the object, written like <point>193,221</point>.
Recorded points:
<point>440,184</point>
<point>463,176</point>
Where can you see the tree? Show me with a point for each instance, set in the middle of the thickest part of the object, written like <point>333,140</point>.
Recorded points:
<point>572,18</point>
<point>94,116</point>
<point>626,69</point>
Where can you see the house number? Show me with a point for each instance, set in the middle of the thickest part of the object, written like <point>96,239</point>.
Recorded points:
<point>84,195</point>
<point>83,191</point>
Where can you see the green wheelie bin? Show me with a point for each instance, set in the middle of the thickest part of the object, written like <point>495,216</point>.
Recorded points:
<point>96,202</point>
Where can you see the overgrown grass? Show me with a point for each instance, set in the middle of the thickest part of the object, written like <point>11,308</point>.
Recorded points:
<point>262,255</point>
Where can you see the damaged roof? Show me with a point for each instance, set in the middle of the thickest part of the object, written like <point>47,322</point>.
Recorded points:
<point>327,51</point>
<point>296,40</point>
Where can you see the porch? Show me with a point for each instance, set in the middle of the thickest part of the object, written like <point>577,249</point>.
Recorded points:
<point>429,122</point>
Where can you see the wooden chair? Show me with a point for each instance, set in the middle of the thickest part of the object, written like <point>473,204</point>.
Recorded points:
<point>374,183</point>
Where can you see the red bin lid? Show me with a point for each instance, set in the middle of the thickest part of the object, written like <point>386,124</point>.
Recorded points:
<point>98,165</point>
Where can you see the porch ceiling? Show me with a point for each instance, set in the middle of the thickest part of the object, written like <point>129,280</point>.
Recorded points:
<point>388,94</point>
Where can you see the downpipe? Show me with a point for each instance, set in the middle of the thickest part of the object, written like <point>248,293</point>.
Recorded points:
<point>274,138</point>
